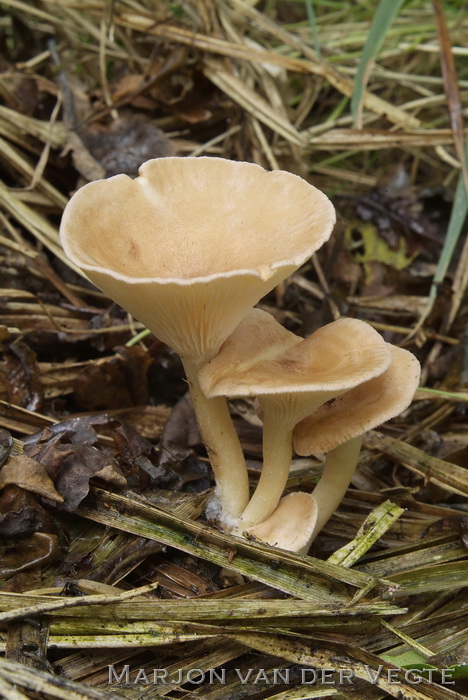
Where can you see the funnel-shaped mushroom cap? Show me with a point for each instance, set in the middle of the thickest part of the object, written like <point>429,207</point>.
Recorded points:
<point>362,408</point>
<point>261,357</point>
<point>193,243</point>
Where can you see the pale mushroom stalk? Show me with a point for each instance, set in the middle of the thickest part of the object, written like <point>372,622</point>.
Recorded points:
<point>280,414</point>
<point>223,448</point>
<point>340,465</point>
<point>277,456</point>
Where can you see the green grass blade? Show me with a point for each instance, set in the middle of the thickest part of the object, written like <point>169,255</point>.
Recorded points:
<point>454,229</point>
<point>313,25</point>
<point>384,16</point>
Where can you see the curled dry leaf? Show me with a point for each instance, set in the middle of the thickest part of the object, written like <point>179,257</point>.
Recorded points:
<point>136,451</point>
<point>148,421</point>
<point>181,434</point>
<point>78,430</point>
<point>30,475</point>
<point>397,210</point>
<point>13,524</point>
<point>20,512</point>
<point>22,377</point>
<point>119,383</point>
<point>6,443</point>
<point>176,453</point>
<point>133,450</point>
<point>126,143</point>
<point>71,465</point>
<point>459,523</point>
<point>35,550</point>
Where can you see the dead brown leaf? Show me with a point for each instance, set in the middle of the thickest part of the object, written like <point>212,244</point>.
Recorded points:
<point>35,550</point>
<point>20,512</point>
<point>71,465</point>
<point>126,143</point>
<point>148,421</point>
<point>22,377</point>
<point>30,475</point>
<point>180,435</point>
<point>177,455</point>
<point>119,383</point>
<point>459,523</point>
<point>6,443</point>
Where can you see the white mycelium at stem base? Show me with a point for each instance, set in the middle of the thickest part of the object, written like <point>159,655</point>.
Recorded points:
<point>188,248</point>
<point>290,377</point>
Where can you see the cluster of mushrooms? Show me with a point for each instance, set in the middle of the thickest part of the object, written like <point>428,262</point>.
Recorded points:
<point>188,248</point>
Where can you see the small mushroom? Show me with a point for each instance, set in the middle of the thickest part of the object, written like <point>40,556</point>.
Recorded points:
<point>291,377</point>
<point>188,247</point>
<point>337,428</point>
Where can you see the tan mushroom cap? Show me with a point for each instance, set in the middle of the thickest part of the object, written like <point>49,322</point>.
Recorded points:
<point>262,358</point>
<point>361,409</point>
<point>192,243</point>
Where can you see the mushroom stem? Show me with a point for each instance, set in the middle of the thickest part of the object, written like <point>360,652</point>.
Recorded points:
<point>340,465</point>
<point>277,455</point>
<point>223,447</point>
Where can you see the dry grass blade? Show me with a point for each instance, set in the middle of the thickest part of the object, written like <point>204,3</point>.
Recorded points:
<point>25,168</point>
<point>47,606</point>
<point>21,125</point>
<point>424,554</point>
<point>449,476</point>
<point>197,610</point>
<point>50,686</point>
<point>298,694</point>
<point>449,73</point>
<point>250,101</point>
<point>337,79</point>
<point>361,664</point>
<point>292,574</point>
<point>368,139</point>
<point>441,577</point>
<point>212,44</point>
<point>10,692</point>
<point>411,642</point>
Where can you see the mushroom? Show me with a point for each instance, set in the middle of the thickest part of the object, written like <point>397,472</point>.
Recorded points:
<point>290,377</point>
<point>188,247</point>
<point>337,428</point>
